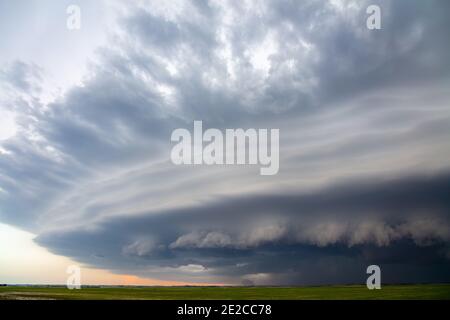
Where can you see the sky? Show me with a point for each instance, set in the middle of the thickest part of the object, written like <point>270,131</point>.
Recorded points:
<point>86,118</point>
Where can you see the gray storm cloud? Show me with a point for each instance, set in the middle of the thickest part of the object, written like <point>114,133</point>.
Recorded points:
<point>343,220</point>
<point>364,155</point>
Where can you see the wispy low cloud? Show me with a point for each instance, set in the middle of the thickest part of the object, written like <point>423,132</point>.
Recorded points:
<point>364,154</point>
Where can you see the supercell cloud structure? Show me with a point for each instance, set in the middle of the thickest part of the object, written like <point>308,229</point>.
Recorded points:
<point>364,119</point>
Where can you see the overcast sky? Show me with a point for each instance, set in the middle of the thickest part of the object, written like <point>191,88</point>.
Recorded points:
<point>86,118</point>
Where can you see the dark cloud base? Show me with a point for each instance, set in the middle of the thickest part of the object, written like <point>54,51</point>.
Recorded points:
<point>408,237</point>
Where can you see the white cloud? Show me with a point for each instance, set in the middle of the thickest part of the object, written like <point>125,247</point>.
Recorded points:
<point>8,127</point>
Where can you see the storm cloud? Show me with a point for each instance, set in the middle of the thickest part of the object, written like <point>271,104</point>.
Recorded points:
<point>364,121</point>
<point>349,221</point>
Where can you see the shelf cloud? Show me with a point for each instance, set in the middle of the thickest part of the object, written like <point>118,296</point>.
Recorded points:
<point>364,116</point>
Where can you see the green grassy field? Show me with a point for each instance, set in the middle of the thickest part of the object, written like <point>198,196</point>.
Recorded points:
<point>428,291</point>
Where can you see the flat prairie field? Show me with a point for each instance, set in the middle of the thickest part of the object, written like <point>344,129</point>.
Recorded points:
<point>347,292</point>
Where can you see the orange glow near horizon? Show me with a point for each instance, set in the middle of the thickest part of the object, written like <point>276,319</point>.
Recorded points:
<point>28,263</point>
<point>132,280</point>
